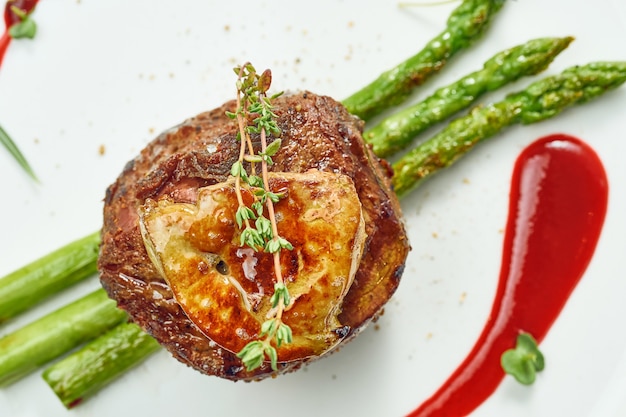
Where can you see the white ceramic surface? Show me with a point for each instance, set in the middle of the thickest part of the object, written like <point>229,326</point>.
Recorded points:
<point>114,73</point>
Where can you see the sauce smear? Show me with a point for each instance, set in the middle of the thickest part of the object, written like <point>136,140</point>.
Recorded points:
<point>11,18</point>
<point>557,206</point>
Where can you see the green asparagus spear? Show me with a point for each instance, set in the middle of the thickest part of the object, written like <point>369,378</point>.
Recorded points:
<point>397,131</point>
<point>541,100</point>
<point>22,351</point>
<point>465,24</point>
<point>8,143</point>
<point>48,275</point>
<point>101,361</point>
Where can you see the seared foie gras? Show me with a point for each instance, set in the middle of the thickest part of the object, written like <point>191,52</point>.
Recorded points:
<point>225,288</point>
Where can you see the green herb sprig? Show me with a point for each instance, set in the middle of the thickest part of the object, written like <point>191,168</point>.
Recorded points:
<point>252,101</point>
<point>524,361</point>
<point>8,143</point>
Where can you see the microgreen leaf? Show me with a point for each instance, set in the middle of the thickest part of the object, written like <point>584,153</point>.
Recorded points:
<point>524,361</point>
<point>27,28</point>
<point>8,143</point>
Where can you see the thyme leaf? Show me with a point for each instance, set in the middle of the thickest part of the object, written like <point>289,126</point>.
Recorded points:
<point>252,354</point>
<point>283,334</point>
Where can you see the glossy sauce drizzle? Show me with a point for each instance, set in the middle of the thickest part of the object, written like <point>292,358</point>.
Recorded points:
<point>557,206</point>
<point>10,18</point>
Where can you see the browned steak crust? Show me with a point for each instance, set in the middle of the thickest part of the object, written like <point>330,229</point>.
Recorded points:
<point>317,133</point>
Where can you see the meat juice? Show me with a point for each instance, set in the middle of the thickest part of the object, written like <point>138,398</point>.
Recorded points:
<point>557,205</point>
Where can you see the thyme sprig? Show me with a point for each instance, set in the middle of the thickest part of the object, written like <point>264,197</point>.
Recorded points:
<point>253,102</point>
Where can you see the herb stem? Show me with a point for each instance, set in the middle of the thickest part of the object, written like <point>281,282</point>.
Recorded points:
<point>272,217</point>
<point>242,149</point>
<point>243,109</point>
<point>252,101</point>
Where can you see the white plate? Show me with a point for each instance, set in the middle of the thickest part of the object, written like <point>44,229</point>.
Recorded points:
<point>115,73</point>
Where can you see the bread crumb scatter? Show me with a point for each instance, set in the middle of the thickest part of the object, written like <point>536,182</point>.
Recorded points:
<point>226,28</point>
<point>466,181</point>
<point>435,235</point>
<point>101,149</point>
<point>151,130</point>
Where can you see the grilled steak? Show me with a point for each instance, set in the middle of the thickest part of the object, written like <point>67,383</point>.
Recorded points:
<point>317,134</point>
